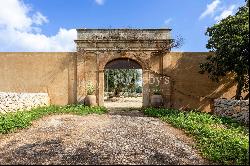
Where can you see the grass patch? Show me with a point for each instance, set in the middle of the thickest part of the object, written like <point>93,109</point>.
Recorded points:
<point>17,120</point>
<point>218,138</point>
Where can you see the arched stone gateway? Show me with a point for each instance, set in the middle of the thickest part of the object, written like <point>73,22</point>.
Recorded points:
<point>123,63</point>
<point>100,48</point>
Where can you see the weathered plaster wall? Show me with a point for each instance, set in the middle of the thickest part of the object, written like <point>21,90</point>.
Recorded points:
<point>191,89</point>
<point>187,89</point>
<point>10,102</point>
<point>64,75</point>
<point>87,70</point>
<point>49,72</point>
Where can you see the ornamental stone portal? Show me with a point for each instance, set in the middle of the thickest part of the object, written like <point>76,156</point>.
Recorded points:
<point>98,47</point>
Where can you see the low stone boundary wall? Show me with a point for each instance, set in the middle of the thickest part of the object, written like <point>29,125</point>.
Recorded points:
<point>10,102</point>
<point>236,109</point>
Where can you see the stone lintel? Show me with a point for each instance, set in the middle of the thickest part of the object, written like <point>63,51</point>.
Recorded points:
<point>123,34</point>
<point>121,45</point>
<point>122,39</point>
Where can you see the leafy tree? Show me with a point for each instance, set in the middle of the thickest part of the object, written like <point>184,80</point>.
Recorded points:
<point>121,80</point>
<point>229,40</point>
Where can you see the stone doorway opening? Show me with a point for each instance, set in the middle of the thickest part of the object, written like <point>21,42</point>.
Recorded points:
<point>123,84</point>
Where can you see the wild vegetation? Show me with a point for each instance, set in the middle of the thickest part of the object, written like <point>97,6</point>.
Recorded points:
<point>218,138</point>
<point>17,120</point>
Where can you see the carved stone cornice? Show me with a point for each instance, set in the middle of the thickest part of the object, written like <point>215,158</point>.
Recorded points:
<point>122,39</point>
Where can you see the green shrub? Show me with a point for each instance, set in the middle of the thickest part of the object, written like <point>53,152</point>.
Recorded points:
<point>21,119</point>
<point>218,138</point>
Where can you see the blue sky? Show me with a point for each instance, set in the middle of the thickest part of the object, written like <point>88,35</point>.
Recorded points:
<point>48,25</point>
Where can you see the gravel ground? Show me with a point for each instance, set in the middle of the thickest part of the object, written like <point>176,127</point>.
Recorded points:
<point>120,137</point>
<point>126,102</point>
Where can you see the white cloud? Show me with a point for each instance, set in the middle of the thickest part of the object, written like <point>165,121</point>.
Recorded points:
<point>225,13</point>
<point>13,14</point>
<point>210,10</point>
<point>39,19</point>
<point>21,32</point>
<point>25,41</point>
<point>99,2</point>
<point>167,21</point>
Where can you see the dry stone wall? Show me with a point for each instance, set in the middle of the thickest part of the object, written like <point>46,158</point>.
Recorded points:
<point>236,109</point>
<point>10,102</point>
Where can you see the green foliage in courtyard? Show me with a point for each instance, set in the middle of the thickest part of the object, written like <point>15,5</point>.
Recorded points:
<point>21,119</point>
<point>229,40</point>
<point>219,139</point>
<point>122,80</point>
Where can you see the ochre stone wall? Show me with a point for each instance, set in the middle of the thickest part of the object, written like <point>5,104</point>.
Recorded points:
<point>191,89</point>
<point>87,68</point>
<point>187,90</point>
<point>52,73</point>
<point>63,76</point>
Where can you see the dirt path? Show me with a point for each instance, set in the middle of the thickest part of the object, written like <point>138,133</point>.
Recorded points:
<point>120,137</point>
<point>126,102</point>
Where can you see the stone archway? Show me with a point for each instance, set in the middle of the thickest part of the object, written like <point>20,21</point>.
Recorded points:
<point>97,47</point>
<point>119,63</point>
<point>123,63</point>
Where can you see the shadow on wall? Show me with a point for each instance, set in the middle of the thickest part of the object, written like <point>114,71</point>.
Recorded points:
<point>192,90</point>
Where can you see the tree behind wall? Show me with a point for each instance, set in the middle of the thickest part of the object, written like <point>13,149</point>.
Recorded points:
<point>121,80</point>
<point>229,40</point>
